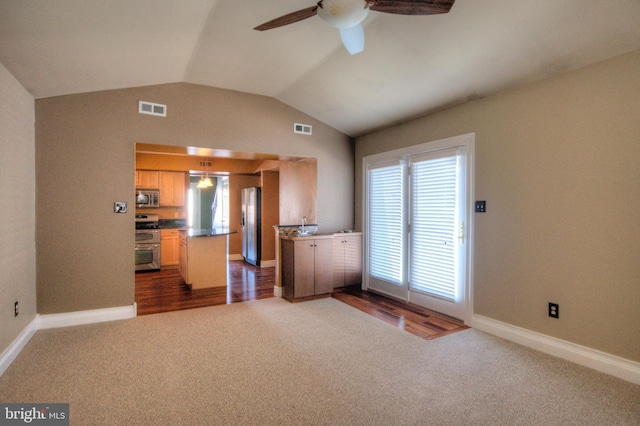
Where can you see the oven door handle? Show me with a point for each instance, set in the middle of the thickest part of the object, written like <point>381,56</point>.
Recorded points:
<point>147,246</point>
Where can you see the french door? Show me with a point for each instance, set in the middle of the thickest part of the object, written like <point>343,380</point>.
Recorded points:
<point>418,224</point>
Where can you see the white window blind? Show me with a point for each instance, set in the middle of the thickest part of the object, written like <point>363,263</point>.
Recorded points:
<point>434,226</point>
<point>386,222</point>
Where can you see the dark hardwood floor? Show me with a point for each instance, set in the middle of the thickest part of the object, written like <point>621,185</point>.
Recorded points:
<point>414,319</point>
<point>164,291</point>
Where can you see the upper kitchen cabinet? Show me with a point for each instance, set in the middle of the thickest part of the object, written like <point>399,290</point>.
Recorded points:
<point>147,179</point>
<point>172,188</point>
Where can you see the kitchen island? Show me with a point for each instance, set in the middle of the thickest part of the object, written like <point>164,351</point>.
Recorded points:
<point>203,257</point>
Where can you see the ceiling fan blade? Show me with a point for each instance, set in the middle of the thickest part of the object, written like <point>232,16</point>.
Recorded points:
<point>353,38</point>
<point>289,18</point>
<point>412,7</point>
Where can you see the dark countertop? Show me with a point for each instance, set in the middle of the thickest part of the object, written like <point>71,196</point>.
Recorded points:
<point>209,232</point>
<point>297,237</point>
<point>172,223</point>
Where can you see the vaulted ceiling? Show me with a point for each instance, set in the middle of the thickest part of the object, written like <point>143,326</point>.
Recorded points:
<point>411,65</point>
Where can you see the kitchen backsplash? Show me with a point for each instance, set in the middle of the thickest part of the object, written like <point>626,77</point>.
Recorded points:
<point>294,229</point>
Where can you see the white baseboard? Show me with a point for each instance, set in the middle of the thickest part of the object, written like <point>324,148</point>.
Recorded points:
<point>86,317</point>
<point>277,291</point>
<point>42,322</point>
<point>582,355</point>
<point>14,349</point>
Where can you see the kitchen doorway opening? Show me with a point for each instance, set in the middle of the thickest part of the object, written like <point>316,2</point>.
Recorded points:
<point>231,171</point>
<point>208,206</point>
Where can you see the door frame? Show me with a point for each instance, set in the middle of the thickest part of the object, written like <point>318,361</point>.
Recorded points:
<point>466,140</point>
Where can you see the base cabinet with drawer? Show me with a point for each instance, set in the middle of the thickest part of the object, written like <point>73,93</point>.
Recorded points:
<point>170,247</point>
<point>307,269</point>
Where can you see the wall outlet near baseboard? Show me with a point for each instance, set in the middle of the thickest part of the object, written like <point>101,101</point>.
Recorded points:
<point>554,310</point>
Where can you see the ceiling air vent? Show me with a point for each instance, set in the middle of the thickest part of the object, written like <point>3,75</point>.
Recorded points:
<point>304,129</point>
<point>152,109</point>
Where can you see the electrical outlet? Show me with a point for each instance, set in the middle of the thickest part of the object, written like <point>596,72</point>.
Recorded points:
<point>554,310</point>
<point>15,309</point>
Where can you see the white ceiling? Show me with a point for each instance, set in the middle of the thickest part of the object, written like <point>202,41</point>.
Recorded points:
<point>411,65</point>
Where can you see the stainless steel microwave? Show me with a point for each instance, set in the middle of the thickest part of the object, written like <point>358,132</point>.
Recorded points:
<point>147,198</point>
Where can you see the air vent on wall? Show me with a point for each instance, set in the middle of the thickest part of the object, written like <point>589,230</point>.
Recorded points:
<point>152,109</point>
<point>205,164</point>
<point>304,129</point>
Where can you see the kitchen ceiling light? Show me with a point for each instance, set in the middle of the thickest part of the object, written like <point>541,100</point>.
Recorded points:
<point>205,181</point>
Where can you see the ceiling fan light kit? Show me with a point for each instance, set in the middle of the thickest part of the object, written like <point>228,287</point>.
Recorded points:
<point>353,39</point>
<point>343,13</point>
<point>347,15</point>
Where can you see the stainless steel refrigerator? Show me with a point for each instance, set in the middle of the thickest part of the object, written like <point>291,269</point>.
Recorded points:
<point>251,225</point>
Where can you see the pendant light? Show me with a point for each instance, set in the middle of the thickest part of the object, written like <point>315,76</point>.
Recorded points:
<point>205,181</point>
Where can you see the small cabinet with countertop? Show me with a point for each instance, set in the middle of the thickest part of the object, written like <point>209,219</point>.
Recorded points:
<point>347,259</point>
<point>306,266</point>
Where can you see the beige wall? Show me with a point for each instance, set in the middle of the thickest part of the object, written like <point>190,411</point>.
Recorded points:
<point>559,165</point>
<point>85,162</point>
<point>298,189</point>
<point>17,215</point>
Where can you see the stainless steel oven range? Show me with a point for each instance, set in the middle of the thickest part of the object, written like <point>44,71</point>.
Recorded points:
<point>147,242</point>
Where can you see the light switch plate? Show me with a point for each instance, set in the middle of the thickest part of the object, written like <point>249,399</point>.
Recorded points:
<point>120,207</point>
<point>481,206</point>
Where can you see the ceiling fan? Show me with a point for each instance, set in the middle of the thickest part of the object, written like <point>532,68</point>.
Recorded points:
<point>347,15</point>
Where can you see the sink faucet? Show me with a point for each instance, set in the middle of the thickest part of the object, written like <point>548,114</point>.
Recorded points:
<point>304,220</point>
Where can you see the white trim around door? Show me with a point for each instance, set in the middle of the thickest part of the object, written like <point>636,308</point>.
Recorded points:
<point>392,200</point>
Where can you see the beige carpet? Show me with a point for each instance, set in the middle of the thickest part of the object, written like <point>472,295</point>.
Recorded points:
<point>321,362</point>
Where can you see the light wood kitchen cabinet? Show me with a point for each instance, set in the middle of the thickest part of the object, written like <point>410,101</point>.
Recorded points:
<point>182,256</point>
<point>169,247</point>
<point>172,188</point>
<point>347,259</point>
<point>306,266</point>
<point>148,179</point>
